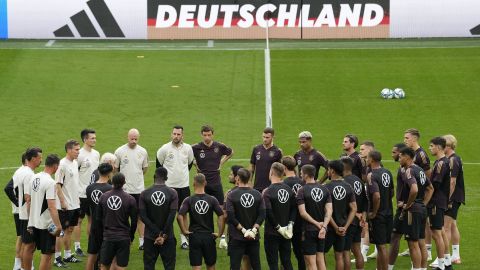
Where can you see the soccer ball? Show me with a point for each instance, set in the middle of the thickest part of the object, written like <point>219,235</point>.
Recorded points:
<point>387,93</point>
<point>399,93</point>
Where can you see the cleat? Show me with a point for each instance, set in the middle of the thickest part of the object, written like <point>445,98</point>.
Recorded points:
<point>405,253</point>
<point>184,245</point>
<point>140,247</point>
<point>79,252</point>
<point>58,262</point>
<point>373,255</point>
<point>456,261</point>
<point>71,259</point>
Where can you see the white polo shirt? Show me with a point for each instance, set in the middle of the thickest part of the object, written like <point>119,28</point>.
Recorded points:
<point>176,160</point>
<point>21,180</point>
<point>131,163</point>
<point>67,176</point>
<point>88,162</point>
<point>42,189</point>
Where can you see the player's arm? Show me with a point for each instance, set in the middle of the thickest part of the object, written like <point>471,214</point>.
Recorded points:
<point>146,220</point>
<point>171,214</point>
<point>428,193</point>
<point>454,168</point>
<point>133,218</point>
<point>251,168</point>
<point>308,218</point>
<point>375,204</point>
<point>351,214</point>
<point>220,219</point>
<point>228,153</point>
<point>182,216</point>
<point>61,197</point>
<point>261,213</point>
<point>160,157</point>
<point>52,208</point>
<point>10,191</point>
<point>268,209</point>
<point>293,209</point>
<point>323,178</point>
<point>411,196</point>
<point>145,164</point>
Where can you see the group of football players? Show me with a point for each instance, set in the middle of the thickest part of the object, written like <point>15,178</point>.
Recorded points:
<point>347,207</point>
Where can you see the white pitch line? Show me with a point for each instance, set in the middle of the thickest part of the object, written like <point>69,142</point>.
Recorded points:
<point>246,159</point>
<point>50,43</point>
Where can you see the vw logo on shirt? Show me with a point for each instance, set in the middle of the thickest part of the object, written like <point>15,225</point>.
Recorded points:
<point>246,200</point>
<point>201,206</point>
<point>317,194</point>
<point>385,180</point>
<point>283,195</point>
<point>158,198</point>
<point>114,203</point>
<point>95,196</point>
<point>339,193</point>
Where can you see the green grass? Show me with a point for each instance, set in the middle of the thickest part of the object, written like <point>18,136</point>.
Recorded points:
<point>48,96</point>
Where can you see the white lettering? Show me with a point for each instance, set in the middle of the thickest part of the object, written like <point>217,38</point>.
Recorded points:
<point>368,19</point>
<point>347,14</point>
<point>260,16</point>
<point>289,16</point>
<point>162,21</point>
<point>202,16</point>
<point>326,16</point>
<point>187,13</point>
<point>228,10</point>
<point>306,22</point>
<point>246,15</point>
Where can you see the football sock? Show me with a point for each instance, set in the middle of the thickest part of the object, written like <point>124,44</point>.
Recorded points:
<point>390,267</point>
<point>456,251</point>
<point>77,245</point>
<point>441,263</point>
<point>58,255</point>
<point>67,254</point>
<point>448,260</point>
<point>140,241</point>
<point>183,238</point>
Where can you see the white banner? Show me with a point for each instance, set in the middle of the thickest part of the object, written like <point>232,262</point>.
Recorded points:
<point>47,19</point>
<point>434,18</point>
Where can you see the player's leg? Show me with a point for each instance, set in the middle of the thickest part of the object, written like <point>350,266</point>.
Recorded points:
<point>415,253</point>
<point>253,252</point>
<point>246,265</point>
<point>297,248</point>
<point>439,246</point>
<point>182,194</point>
<point>320,261</point>
<point>150,254</point>
<point>271,245</point>
<point>236,252</point>
<point>285,250</point>
<point>455,243</point>
<point>168,252</point>
<point>209,251</point>
<point>28,246</point>
<point>357,253</point>
<point>394,248</point>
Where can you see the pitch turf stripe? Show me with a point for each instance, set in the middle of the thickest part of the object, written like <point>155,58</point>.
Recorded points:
<point>243,160</point>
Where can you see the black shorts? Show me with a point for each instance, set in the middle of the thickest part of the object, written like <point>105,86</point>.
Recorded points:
<point>354,235</point>
<point>435,216</point>
<point>335,240</point>
<point>112,249</point>
<point>414,230</point>
<point>44,241</point>
<point>398,224</point>
<point>27,237</point>
<point>380,229</point>
<point>69,218</point>
<point>84,208</point>
<point>216,191</point>
<point>137,198</point>
<point>202,245</point>
<point>311,244</point>
<point>453,212</point>
<point>182,194</point>
<point>94,242</point>
<point>18,225</point>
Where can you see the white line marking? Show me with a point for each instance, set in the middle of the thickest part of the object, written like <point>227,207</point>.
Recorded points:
<point>50,43</point>
<point>210,44</point>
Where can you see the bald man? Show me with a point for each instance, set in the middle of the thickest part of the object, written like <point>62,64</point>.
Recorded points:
<point>132,161</point>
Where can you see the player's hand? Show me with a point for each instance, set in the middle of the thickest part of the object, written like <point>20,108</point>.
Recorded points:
<point>322,233</point>
<point>159,240</point>
<point>400,204</point>
<point>215,235</point>
<point>223,243</point>
<point>450,205</point>
<point>342,231</point>
<point>63,205</point>
<point>371,215</point>
<point>282,231</point>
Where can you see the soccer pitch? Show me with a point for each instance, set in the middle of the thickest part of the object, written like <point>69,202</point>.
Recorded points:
<point>49,92</point>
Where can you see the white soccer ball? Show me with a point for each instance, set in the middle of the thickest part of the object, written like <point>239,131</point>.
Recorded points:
<point>399,93</point>
<point>387,93</point>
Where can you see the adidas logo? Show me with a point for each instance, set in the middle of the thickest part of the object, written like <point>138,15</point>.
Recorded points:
<point>85,27</point>
<point>475,30</point>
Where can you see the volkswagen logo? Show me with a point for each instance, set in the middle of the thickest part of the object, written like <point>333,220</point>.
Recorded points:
<point>246,200</point>
<point>423,178</point>
<point>114,203</point>
<point>317,194</point>
<point>357,187</point>
<point>339,193</point>
<point>158,198</point>
<point>295,188</point>
<point>283,195</point>
<point>95,196</point>
<point>201,207</point>
<point>385,180</point>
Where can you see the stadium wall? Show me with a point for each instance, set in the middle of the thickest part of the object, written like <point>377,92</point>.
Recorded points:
<point>237,19</point>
